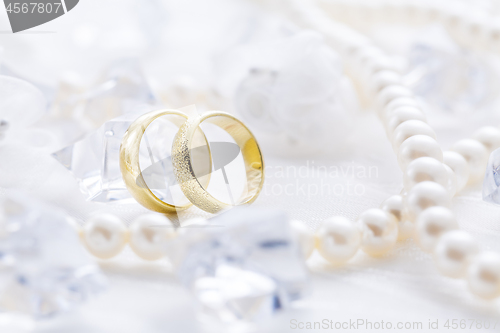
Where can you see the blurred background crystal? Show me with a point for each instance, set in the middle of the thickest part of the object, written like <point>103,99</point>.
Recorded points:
<point>21,103</point>
<point>491,184</point>
<point>99,34</point>
<point>121,89</point>
<point>449,77</point>
<point>185,90</point>
<point>242,265</point>
<point>47,90</point>
<point>296,88</point>
<point>44,270</point>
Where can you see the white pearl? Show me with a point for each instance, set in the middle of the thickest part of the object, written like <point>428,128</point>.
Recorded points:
<point>410,128</point>
<point>476,155</point>
<point>453,19</point>
<point>396,103</point>
<point>433,13</point>
<point>493,36</point>
<point>489,136</point>
<point>424,195</point>
<point>425,169</point>
<point>483,275</point>
<point>304,237</point>
<point>105,235</point>
<point>384,78</point>
<point>455,23</point>
<point>379,230</point>
<point>431,224</point>
<point>418,146</point>
<point>454,252</point>
<point>413,12</point>
<point>460,167</point>
<point>390,93</point>
<point>338,239</point>
<point>452,183</point>
<point>400,115</point>
<point>475,32</point>
<point>394,205</point>
<point>148,235</point>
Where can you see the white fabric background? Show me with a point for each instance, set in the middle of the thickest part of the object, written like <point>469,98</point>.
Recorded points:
<point>145,297</point>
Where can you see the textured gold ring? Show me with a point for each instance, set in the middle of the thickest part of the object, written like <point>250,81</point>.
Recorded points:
<point>130,164</point>
<point>184,170</point>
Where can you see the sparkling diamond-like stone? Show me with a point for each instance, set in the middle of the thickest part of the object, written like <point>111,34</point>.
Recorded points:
<point>44,270</point>
<point>491,182</point>
<point>95,160</point>
<point>242,265</point>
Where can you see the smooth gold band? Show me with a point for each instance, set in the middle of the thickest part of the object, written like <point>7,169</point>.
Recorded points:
<point>193,189</point>
<point>130,165</point>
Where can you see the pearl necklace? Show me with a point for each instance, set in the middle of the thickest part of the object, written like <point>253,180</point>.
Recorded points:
<point>431,177</point>
<point>106,235</point>
<point>468,26</point>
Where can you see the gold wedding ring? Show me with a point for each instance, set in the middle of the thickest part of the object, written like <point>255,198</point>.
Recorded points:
<point>184,169</point>
<point>191,168</point>
<point>130,163</point>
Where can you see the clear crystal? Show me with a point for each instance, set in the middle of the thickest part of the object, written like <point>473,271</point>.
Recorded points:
<point>491,182</point>
<point>242,266</point>
<point>95,160</point>
<point>44,270</point>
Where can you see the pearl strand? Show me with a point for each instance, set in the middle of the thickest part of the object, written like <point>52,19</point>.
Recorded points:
<point>106,235</point>
<point>465,24</point>
<point>428,197</point>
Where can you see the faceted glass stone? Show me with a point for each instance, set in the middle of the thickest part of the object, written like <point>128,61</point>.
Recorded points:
<point>491,182</point>
<point>95,160</point>
<point>44,270</point>
<point>243,265</point>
